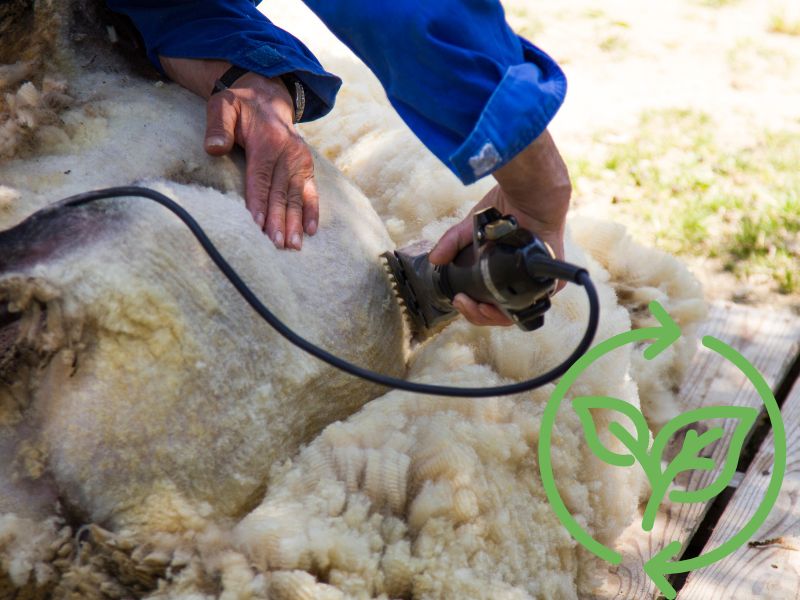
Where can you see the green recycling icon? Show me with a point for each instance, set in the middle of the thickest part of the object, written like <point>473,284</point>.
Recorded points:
<point>649,457</point>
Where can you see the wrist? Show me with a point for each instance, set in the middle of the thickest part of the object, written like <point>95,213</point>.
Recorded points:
<point>537,182</point>
<point>547,205</point>
<point>198,75</point>
<point>266,91</point>
<point>201,76</point>
<point>539,165</point>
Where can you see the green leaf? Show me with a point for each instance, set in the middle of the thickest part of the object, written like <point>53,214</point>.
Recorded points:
<point>637,446</point>
<point>688,458</point>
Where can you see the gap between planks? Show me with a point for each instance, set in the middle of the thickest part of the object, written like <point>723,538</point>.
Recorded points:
<point>769,340</point>
<point>769,566</point>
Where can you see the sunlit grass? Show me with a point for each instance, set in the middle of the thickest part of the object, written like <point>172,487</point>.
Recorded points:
<point>694,196</point>
<point>717,3</point>
<point>524,21</point>
<point>780,23</point>
<point>749,59</point>
<point>613,43</point>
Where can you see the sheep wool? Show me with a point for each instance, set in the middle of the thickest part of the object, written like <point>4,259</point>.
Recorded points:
<point>160,441</point>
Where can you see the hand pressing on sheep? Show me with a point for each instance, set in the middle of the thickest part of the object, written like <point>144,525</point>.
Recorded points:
<point>257,113</point>
<point>534,187</point>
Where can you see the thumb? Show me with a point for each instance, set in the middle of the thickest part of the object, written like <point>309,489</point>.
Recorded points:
<point>452,242</point>
<point>221,115</point>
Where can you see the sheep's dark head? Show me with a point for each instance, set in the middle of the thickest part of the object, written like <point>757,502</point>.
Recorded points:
<point>30,335</point>
<point>9,333</point>
<point>33,326</point>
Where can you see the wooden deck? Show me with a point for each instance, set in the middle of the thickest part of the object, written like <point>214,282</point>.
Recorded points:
<point>768,567</point>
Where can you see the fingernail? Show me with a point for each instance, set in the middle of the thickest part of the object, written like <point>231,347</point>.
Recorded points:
<point>278,239</point>
<point>312,227</point>
<point>260,218</point>
<point>215,141</point>
<point>296,241</point>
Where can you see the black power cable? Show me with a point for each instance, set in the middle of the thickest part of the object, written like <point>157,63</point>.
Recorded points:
<point>579,276</point>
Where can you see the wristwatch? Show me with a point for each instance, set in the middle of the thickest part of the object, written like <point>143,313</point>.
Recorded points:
<point>293,85</point>
<point>297,92</point>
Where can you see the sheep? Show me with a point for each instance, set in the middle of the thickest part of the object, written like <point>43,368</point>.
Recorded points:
<point>163,442</point>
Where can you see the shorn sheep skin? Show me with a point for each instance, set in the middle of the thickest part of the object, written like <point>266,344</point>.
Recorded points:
<point>159,441</point>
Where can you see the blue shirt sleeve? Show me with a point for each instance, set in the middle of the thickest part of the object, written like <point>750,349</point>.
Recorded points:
<point>473,92</point>
<point>231,30</point>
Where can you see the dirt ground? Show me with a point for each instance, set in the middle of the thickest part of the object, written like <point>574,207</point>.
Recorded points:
<point>683,121</point>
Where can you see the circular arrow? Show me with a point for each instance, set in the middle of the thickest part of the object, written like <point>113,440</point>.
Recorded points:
<point>664,335</point>
<point>658,565</point>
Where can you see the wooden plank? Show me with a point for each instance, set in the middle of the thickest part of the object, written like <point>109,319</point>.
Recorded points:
<point>768,567</point>
<point>767,339</point>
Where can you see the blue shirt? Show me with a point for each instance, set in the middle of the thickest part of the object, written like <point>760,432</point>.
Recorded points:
<point>474,92</point>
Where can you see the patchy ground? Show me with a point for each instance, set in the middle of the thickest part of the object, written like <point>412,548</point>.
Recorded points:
<point>683,121</point>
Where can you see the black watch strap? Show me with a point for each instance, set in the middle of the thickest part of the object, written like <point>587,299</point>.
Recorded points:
<point>228,78</point>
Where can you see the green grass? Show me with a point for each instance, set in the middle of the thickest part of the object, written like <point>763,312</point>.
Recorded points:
<point>780,23</point>
<point>751,59</point>
<point>613,43</point>
<point>694,196</point>
<point>594,13</point>
<point>717,3</point>
<point>611,32</point>
<point>525,22</point>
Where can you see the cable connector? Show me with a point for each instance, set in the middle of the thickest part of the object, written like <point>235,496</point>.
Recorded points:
<point>539,265</point>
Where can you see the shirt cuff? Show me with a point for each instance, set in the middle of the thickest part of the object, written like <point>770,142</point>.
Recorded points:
<point>231,30</point>
<point>518,111</point>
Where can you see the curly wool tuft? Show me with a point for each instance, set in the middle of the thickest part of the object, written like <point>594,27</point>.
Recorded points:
<point>33,89</point>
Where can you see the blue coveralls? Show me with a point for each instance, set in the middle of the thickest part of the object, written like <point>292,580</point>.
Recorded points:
<point>473,92</point>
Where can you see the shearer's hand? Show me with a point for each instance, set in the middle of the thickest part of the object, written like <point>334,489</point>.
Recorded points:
<point>534,187</point>
<point>256,113</point>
